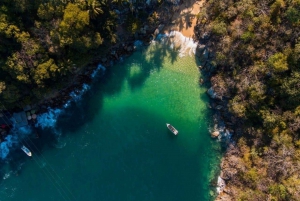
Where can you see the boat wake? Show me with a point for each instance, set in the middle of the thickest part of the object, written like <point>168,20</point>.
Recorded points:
<point>7,175</point>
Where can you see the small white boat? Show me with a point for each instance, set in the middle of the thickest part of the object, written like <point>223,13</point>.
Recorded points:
<point>172,129</point>
<point>26,150</point>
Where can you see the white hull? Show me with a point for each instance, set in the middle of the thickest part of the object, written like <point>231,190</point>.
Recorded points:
<point>26,150</point>
<point>172,129</point>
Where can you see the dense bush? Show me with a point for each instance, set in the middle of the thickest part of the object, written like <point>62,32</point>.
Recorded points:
<point>256,44</point>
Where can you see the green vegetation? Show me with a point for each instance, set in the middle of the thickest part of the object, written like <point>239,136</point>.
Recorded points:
<point>257,57</point>
<point>44,43</point>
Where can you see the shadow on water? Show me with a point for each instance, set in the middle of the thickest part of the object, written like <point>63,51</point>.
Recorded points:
<point>80,113</point>
<point>84,111</point>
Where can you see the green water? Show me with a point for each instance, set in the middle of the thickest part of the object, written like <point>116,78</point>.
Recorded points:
<point>114,144</point>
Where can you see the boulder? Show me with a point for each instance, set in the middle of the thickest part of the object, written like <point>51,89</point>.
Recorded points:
<point>215,134</point>
<point>212,94</point>
<point>201,47</point>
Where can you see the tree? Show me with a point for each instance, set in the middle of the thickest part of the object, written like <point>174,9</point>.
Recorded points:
<point>275,10</point>
<point>238,106</point>
<point>48,11</point>
<point>87,42</point>
<point>2,87</point>
<point>11,94</point>
<point>73,23</point>
<point>219,27</point>
<point>290,90</point>
<point>44,71</point>
<point>292,185</point>
<point>278,62</point>
<point>293,16</point>
<point>93,8</point>
<point>270,119</point>
<point>278,191</point>
<point>120,2</point>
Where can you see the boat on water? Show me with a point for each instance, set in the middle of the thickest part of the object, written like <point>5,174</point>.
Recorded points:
<point>26,150</point>
<point>172,129</point>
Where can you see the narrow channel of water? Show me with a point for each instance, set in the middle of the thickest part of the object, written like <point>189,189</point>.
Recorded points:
<point>113,144</point>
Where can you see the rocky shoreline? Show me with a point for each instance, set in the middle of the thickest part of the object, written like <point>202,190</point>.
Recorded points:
<point>216,92</point>
<point>114,54</point>
<point>64,95</point>
<point>226,126</point>
<point>123,48</point>
<point>147,32</point>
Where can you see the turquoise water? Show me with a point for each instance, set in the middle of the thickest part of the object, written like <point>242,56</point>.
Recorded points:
<point>113,144</point>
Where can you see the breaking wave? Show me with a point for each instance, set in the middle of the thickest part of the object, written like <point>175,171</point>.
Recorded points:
<point>175,39</point>
<point>13,139</point>
<point>48,120</point>
<point>5,146</point>
<point>96,71</point>
<point>44,120</point>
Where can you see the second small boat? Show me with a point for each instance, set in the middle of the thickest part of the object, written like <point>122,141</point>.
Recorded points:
<point>26,150</point>
<point>172,129</point>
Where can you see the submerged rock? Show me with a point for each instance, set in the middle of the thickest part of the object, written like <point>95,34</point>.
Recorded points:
<point>211,93</point>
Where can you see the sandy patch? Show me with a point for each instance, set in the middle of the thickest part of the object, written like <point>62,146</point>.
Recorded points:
<point>184,17</point>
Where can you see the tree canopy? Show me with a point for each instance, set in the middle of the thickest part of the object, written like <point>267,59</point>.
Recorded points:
<point>257,62</point>
<point>40,42</point>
